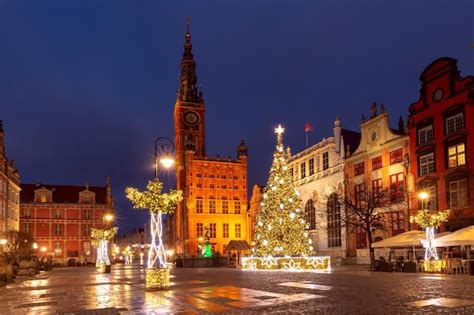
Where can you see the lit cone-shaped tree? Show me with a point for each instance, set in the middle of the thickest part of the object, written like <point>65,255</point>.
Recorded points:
<point>157,203</point>
<point>280,225</point>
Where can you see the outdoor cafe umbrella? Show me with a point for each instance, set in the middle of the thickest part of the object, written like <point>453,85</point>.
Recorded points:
<point>459,238</point>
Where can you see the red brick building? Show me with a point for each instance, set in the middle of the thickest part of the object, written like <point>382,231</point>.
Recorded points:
<point>214,188</point>
<point>441,130</point>
<point>60,218</point>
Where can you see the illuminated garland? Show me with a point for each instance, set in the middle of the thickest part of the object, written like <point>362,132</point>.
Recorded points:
<point>100,240</point>
<point>286,263</point>
<point>157,203</point>
<point>430,221</point>
<point>281,239</point>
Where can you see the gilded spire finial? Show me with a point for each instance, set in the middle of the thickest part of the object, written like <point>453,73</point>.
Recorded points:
<point>188,34</point>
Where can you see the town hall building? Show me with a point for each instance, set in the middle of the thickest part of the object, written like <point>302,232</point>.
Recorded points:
<point>214,188</point>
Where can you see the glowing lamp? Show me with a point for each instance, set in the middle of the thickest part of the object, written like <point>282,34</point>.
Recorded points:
<point>423,195</point>
<point>35,245</point>
<point>43,249</point>
<point>170,252</point>
<point>109,217</point>
<point>3,241</point>
<point>167,161</point>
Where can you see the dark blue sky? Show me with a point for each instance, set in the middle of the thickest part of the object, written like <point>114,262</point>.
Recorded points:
<point>86,86</point>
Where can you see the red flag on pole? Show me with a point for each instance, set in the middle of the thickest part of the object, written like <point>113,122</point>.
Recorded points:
<point>308,127</point>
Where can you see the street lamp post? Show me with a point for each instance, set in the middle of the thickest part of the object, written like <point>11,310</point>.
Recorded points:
<point>167,147</point>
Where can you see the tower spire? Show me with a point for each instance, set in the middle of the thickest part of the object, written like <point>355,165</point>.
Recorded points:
<point>188,91</point>
<point>187,37</point>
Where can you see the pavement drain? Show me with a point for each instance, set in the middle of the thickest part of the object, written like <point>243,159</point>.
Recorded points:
<point>445,302</point>
<point>36,304</point>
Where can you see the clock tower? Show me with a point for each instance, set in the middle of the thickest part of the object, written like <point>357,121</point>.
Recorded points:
<point>189,108</point>
<point>214,189</point>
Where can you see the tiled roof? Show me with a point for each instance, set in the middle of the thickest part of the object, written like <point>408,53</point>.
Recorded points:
<point>62,193</point>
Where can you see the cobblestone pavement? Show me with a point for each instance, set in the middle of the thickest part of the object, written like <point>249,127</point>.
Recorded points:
<point>348,290</point>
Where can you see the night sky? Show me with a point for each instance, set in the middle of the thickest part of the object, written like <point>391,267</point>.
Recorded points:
<point>86,86</point>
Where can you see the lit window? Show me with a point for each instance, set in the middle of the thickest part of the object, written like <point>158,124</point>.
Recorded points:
<point>199,206</point>
<point>398,223</point>
<point>225,207</point>
<point>237,207</point>
<point>458,194</point>
<point>213,230</point>
<point>425,134</point>
<point>377,186</point>
<point>43,199</point>
<point>212,206</point>
<point>359,168</point>
<point>199,230</point>
<point>225,230</point>
<point>454,123</point>
<point>396,156</point>
<point>397,187</point>
<point>456,155</point>
<point>237,231</point>
<point>86,214</point>
<point>26,228</point>
<point>427,164</point>
<point>57,214</point>
<point>376,163</point>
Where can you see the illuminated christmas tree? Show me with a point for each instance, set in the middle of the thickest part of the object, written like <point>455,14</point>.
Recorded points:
<point>280,227</point>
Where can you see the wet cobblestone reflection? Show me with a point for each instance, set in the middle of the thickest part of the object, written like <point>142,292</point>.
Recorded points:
<point>198,291</point>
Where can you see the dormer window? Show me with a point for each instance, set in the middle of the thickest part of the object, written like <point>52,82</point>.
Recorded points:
<point>87,196</point>
<point>43,195</point>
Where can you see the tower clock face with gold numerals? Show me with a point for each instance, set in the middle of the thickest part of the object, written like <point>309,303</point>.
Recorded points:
<point>191,118</point>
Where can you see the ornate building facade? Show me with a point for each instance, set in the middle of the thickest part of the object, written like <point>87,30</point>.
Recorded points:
<point>379,164</point>
<point>9,190</point>
<point>441,126</point>
<point>318,174</point>
<point>60,218</point>
<point>215,189</point>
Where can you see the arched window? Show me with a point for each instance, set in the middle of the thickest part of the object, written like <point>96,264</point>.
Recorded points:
<point>310,214</point>
<point>334,221</point>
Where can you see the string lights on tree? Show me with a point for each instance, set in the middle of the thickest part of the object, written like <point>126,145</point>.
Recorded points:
<point>157,203</point>
<point>281,240</point>
<point>100,240</point>
<point>430,221</point>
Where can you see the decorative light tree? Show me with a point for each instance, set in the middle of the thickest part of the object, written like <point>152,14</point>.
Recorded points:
<point>207,246</point>
<point>281,240</point>
<point>157,203</point>
<point>430,221</point>
<point>100,239</point>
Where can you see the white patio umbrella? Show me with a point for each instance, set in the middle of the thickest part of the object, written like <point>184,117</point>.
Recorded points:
<point>461,237</point>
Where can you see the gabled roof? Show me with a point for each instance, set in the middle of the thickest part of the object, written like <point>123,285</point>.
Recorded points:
<point>62,193</point>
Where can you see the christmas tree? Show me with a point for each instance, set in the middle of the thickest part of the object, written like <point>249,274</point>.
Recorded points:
<point>280,227</point>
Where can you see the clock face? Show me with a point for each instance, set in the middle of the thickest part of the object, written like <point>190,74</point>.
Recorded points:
<point>373,135</point>
<point>191,118</point>
<point>438,95</point>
